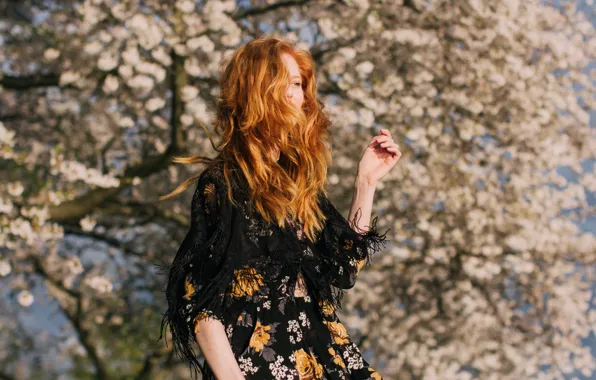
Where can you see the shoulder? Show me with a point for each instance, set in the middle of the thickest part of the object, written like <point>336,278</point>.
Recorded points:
<point>212,172</point>
<point>218,171</point>
<point>212,177</point>
<point>224,183</point>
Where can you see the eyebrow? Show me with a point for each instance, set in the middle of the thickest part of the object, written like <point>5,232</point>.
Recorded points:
<point>297,76</point>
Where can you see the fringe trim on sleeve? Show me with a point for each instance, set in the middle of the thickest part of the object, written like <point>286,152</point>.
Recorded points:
<point>210,265</point>
<point>342,246</point>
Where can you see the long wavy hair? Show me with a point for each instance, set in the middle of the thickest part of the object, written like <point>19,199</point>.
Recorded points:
<point>255,119</point>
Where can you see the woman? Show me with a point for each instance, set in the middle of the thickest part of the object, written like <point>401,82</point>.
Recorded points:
<point>266,261</point>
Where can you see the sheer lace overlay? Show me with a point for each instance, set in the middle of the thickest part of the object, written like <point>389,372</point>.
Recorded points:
<point>273,290</point>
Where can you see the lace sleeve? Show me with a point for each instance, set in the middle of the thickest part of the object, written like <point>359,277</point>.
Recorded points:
<point>198,276</point>
<point>346,251</point>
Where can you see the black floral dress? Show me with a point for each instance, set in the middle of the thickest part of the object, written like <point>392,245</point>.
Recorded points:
<point>274,291</point>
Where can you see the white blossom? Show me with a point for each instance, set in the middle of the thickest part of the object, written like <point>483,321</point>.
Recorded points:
<point>327,28</point>
<point>73,171</point>
<point>116,320</point>
<point>74,266</point>
<point>6,207</point>
<point>131,56</point>
<point>186,119</point>
<point>15,189</point>
<point>142,82</point>
<point>158,72</point>
<point>185,6</point>
<point>126,122</point>
<point>100,284</point>
<point>91,14</point>
<point>154,104</point>
<point>417,111</point>
<point>181,49</point>
<point>111,84</point>
<point>138,22</point>
<point>87,223</point>
<point>107,61</point>
<point>367,117</point>
<point>365,67</point>
<point>347,52</point>
<point>415,133</point>
<point>202,42</point>
<point>198,109</point>
<point>105,37</point>
<point>5,268</point>
<point>363,4</point>
<point>150,37</point>
<point>161,55</point>
<point>189,93</point>
<point>125,71</point>
<point>6,136</point>
<point>68,77</point>
<point>51,54</point>
<point>219,6</point>
<point>119,11</point>
<point>25,298</point>
<point>232,39</point>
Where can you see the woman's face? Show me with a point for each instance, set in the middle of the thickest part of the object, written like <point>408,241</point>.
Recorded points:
<point>294,92</point>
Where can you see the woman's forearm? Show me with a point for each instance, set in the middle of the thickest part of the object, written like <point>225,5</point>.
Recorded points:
<point>217,351</point>
<point>362,199</point>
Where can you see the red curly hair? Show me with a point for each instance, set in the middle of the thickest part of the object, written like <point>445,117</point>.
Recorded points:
<point>254,119</point>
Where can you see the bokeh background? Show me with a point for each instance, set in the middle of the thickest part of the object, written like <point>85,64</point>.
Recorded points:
<point>490,272</point>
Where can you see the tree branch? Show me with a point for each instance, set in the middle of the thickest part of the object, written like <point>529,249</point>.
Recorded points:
<point>12,82</point>
<point>243,13</point>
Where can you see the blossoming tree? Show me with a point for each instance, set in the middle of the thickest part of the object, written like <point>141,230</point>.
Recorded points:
<point>487,274</point>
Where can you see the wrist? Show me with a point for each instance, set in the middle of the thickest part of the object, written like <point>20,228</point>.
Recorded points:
<point>364,183</point>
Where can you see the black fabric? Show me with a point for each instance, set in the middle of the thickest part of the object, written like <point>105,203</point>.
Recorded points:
<point>234,267</point>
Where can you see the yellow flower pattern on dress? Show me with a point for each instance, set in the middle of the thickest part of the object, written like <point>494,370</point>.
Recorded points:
<point>200,316</point>
<point>348,245</point>
<point>336,358</point>
<point>190,289</point>
<point>318,368</point>
<point>375,375</point>
<point>260,337</point>
<point>307,366</point>
<point>247,282</point>
<point>339,332</point>
<point>209,190</point>
<point>326,307</point>
<point>360,265</point>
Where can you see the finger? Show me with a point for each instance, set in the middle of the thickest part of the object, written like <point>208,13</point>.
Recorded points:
<point>378,139</point>
<point>394,152</point>
<point>386,131</point>
<point>393,146</point>
<point>381,138</point>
